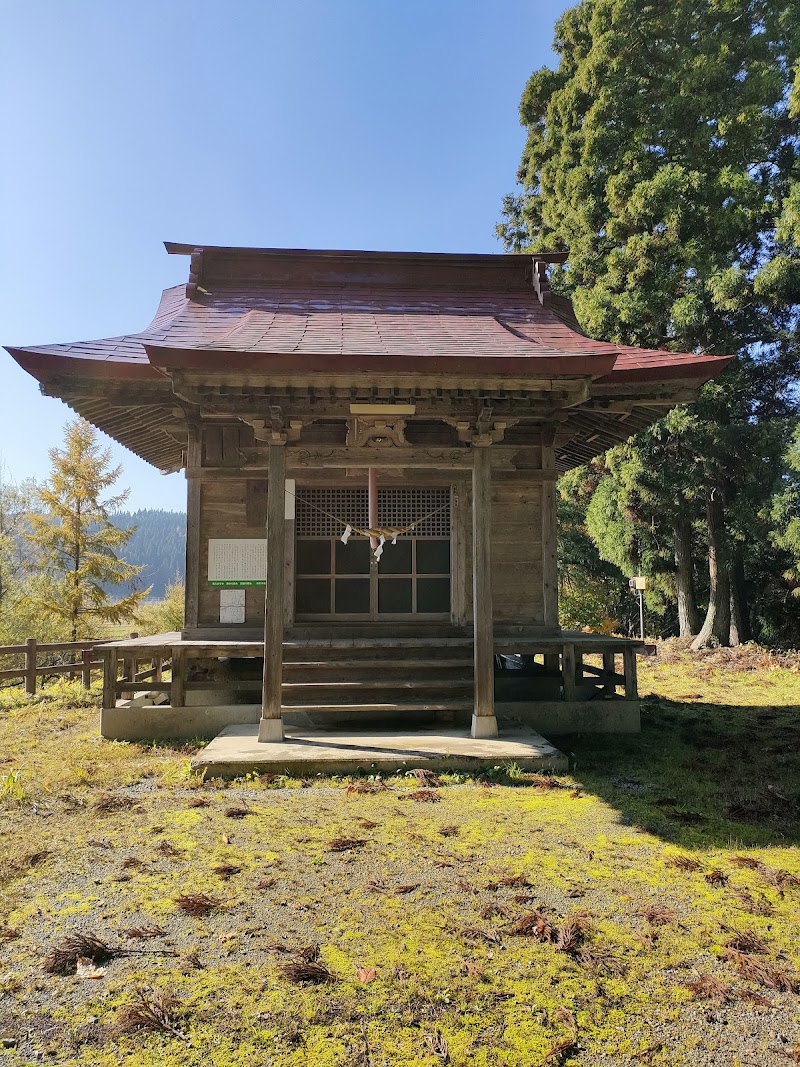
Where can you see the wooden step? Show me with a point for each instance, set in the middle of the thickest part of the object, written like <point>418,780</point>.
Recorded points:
<point>416,630</point>
<point>394,673</point>
<point>377,683</point>
<point>387,708</point>
<point>376,642</point>
<point>404,664</point>
<point>396,652</point>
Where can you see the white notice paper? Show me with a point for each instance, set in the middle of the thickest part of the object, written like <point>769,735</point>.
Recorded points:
<point>231,605</point>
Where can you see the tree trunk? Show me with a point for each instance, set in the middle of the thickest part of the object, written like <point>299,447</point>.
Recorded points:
<point>688,613</point>
<point>716,629</point>
<point>740,622</point>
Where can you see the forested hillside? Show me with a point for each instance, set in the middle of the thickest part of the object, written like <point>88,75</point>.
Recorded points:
<point>157,546</point>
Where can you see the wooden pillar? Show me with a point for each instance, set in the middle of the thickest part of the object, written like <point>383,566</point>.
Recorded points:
<point>484,723</point>
<point>109,677</point>
<point>549,535</point>
<point>458,559</point>
<point>271,725</point>
<point>568,672</point>
<point>289,516</point>
<point>631,679</point>
<point>194,487</point>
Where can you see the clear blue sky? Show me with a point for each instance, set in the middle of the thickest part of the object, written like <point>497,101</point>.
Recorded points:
<point>300,123</point>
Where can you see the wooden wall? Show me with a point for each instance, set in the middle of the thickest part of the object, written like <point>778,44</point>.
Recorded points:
<point>233,506</point>
<point>224,512</point>
<point>516,552</point>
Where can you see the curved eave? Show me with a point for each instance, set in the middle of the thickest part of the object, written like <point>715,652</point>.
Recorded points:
<point>143,427</point>
<point>556,365</point>
<point>43,365</point>
<point>697,369</point>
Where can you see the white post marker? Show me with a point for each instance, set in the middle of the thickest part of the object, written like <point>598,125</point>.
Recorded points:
<point>637,586</point>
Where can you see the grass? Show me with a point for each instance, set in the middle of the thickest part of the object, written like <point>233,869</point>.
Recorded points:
<point>641,911</point>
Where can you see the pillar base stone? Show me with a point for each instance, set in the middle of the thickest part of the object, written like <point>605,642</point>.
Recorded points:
<point>270,730</point>
<point>484,726</point>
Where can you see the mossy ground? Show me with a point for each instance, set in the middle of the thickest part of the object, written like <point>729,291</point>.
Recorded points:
<point>415,920</point>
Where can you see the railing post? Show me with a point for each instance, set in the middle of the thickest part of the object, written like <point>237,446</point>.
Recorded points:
<point>609,672</point>
<point>551,661</point>
<point>129,668</point>
<point>157,671</point>
<point>30,666</point>
<point>568,672</point>
<point>86,673</point>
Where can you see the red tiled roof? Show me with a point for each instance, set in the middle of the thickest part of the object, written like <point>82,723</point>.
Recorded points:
<point>315,327</point>
<point>299,313</point>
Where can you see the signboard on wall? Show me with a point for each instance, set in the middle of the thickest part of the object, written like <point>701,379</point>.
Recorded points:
<point>237,563</point>
<point>232,606</point>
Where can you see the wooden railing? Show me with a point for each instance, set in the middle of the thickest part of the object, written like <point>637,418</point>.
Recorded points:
<point>31,671</point>
<point>81,665</point>
<point>565,658</point>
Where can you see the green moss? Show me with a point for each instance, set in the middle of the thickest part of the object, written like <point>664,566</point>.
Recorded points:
<point>494,998</point>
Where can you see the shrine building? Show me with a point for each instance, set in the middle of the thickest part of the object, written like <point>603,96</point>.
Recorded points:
<point>374,439</point>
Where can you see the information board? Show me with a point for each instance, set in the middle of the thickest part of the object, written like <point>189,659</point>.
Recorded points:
<point>237,562</point>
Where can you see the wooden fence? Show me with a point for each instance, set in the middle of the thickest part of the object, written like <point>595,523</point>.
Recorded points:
<point>82,663</point>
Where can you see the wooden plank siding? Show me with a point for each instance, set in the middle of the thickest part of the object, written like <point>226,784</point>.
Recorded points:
<point>234,506</point>
<point>517,552</point>
<point>230,507</point>
<point>224,513</point>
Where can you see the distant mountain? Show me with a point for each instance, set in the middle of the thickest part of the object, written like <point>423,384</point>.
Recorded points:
<point>158,545</point>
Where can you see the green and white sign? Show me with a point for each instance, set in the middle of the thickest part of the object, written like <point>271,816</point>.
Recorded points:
<point>237,563</point>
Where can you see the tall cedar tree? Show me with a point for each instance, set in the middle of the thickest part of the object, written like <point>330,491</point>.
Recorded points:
<point>786,518</point>
<point>662,153</point>
<point>76,541</point>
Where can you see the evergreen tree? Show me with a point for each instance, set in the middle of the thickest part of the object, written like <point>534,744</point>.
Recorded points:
<point>75,540</point>
<point>19,617</point>
<point>13,506</point>
<point>785,515</point>
<point>663,152</point>
<point>591,590</point>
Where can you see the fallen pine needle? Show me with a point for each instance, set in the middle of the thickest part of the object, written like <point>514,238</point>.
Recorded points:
<point>303,973</point>
<point>151,1010</point>
<point>197,903</point>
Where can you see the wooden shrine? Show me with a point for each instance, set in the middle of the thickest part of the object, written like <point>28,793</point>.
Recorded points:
<point>373,439</point>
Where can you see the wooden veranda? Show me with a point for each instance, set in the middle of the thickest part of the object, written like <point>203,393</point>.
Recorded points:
<point>574,681</point>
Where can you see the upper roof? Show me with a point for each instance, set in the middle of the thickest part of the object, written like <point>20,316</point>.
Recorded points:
<point>275,319</point>
<point>305,311</point>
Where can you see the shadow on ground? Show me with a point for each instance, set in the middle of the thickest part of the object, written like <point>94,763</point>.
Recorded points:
<point>700,775</point>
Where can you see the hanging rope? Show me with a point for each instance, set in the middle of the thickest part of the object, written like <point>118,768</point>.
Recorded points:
<point>382,533</point>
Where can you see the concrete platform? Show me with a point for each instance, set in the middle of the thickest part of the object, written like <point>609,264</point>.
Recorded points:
<point>237,751</point>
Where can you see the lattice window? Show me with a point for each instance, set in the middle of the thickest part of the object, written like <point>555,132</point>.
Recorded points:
<point>400,507</point>
<point>396,508</point>
<point>349,505</point>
